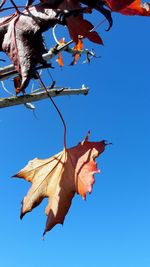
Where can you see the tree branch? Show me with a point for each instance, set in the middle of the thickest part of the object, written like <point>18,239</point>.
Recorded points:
<point>36,96</point>
<point>40,94</point>
<point>9,71</point>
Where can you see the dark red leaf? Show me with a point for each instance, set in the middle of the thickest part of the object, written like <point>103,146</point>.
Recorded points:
<point>78,26</point>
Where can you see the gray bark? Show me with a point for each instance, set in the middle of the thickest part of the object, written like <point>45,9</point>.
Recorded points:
<point>17,100</point>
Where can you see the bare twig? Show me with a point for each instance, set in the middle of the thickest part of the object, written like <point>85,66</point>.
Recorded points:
<point>36,96</point>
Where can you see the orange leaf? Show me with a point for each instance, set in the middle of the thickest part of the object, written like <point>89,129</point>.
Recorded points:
<point>60,60</point>
<point>77,49</point>
<point>130,7</point>
<point>79,45</point>
<point>119,4</point>
<point>137,8</point>
<point>59,177</point>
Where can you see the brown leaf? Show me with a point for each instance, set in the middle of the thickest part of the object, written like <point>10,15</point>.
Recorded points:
<point>59,177</point>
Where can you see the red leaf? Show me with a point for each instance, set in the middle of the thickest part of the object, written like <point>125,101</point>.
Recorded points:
<point>59,177</point>
<point>130,7</point>
<point>78,26</point>
<point>137,8</point>
<point>118,4</point>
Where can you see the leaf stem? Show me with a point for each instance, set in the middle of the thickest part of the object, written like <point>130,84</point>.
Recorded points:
<point>98,25</point>
<point>57,109</point>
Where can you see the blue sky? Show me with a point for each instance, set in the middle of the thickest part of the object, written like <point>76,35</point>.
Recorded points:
<point>112,228</point>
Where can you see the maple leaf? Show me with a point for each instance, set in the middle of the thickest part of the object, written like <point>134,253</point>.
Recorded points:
<point>137,8</point>
<point>77,25</point>
<point>100,6</point>
<point>130,7</point>
<point>119,4</point>
<point>59,177</point>
<point>21,39</point>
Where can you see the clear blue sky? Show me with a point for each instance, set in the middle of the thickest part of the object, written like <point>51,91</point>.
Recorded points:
<point>112,228</point>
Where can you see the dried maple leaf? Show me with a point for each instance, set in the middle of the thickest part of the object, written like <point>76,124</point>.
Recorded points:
<point>119,4</point>
<point>137,8</point>
<point>59,177</point>
<point>130,7</point>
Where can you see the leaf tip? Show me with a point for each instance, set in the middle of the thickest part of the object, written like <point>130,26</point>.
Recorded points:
<point>21,216</point>
<point>43,236</point>
<point>21,212</point>
<point>86,139</point>
<point>84,197</point>
<point>106,143</point>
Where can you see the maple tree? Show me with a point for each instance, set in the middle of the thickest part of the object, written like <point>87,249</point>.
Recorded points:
<point>21,37</point>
